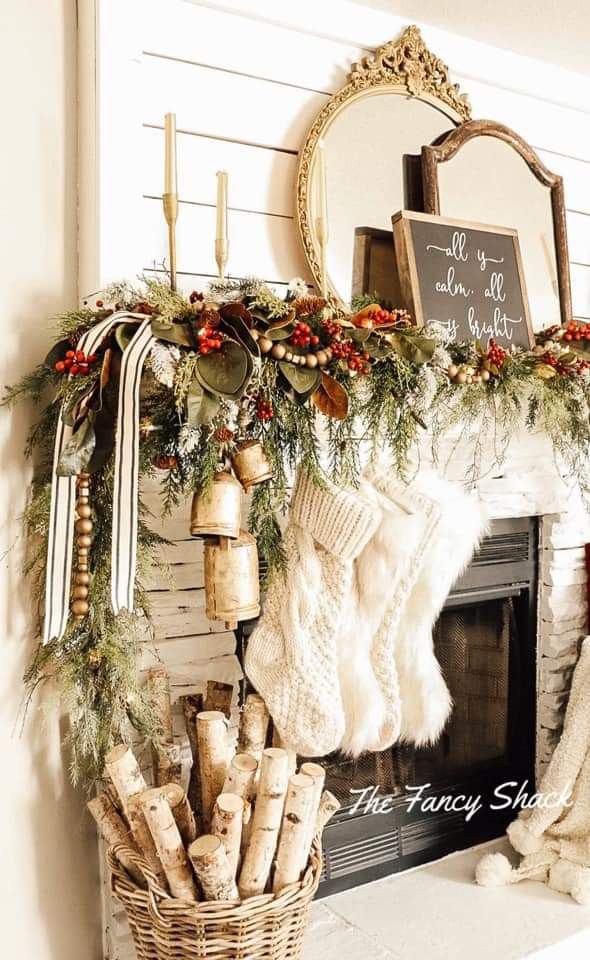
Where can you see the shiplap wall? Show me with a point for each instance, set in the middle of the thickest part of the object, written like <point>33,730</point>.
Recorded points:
<point>246,79</point>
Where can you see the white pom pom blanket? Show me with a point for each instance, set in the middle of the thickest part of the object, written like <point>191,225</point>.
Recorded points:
<point>554,836</point>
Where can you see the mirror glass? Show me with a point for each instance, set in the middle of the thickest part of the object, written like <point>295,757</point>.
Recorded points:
<point>367,147</point>
<point>488,181</point>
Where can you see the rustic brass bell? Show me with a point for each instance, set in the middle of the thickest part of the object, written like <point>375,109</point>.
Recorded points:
<point>250,464</point>
<point>232,589</point>
<point>217,511</point>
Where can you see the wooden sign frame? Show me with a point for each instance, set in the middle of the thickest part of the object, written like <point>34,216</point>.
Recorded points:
<point>409,279</point>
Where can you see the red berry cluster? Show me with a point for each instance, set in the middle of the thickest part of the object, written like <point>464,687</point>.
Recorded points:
<point>332,329</point>
<point>302,336</point>
<point>76,362</point>
<point>347,350</point>
<point>496,354</point>
<point>381,316</point>
<point>569,370</point>
<point>224,435</point>
<point>264,410</point>
<point>209,339</point>
<point>577,331</point>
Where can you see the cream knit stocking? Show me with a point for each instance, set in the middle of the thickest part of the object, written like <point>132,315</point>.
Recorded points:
<point>291,657</point>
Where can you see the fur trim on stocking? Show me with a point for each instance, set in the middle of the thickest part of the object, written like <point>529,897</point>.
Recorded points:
<point>425,699</point>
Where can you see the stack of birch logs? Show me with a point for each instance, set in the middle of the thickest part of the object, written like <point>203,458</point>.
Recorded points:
<point>243,826</point>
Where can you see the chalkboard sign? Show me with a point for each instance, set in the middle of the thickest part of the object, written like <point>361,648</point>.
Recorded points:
<point>467,276</point>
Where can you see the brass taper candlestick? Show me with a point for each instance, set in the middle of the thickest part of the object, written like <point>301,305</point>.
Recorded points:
<point>170,195</point>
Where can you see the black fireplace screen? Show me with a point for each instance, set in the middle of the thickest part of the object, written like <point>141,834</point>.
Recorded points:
<point>472,645</point>
<point>485,644</point>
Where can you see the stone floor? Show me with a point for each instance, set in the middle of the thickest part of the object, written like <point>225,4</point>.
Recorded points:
<point>437,912</point>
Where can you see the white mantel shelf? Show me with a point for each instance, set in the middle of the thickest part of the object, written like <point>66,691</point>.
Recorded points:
<point>437,912</point>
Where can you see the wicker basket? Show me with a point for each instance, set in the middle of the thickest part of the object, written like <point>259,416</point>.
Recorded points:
<point>267,927</point>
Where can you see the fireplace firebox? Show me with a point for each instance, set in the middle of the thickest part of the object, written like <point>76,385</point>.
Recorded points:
<point>406,806</point>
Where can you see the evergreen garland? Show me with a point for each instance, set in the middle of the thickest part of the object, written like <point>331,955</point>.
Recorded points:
<point>216,379</point>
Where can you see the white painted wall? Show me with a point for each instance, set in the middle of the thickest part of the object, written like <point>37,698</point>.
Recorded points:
<point>48,889</point>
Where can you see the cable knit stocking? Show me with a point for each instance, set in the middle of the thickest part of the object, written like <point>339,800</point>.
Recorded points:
<point>292,654</point>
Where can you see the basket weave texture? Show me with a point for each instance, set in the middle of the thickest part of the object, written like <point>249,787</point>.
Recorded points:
<point>267,927</point>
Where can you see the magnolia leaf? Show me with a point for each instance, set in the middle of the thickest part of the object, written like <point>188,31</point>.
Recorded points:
<point>78,450</point>
<point>377,348</point>
<point>331,398</point>
<point>360,334</point>
<point>236,311</point>
<point>236,327</point>
<point>57,352</point>
<point>283,321</point>
<point>201,406</point>
<point>277,333</point>
<point>173,332</point>
<point>544,371</point>
<point>225,372</point>
<point>106,417</point>
<point>304,380</point>
<point>124,334</point>
<point>415,349</point>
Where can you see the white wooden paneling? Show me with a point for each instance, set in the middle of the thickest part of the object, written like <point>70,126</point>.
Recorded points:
<point>262,180</point>
<point>260,245</point>
<point>219,103</point>
<point>576,178</point>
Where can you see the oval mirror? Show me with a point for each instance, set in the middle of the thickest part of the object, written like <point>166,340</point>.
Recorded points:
<point>356,167</point>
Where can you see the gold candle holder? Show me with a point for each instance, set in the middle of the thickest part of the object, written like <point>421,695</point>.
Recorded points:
<point>170,195</point>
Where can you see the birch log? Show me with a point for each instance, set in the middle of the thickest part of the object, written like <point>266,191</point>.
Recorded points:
<point>212,868</point>
<point>192,704</point>
<point>143,837</point>
<point>169,845</point>
<point>226,824</point>
<point>181,811</point>
<point>219,697</point>
<point>113,829</point>
<point>266,822</point>
<point>241,780</point>
<point>213,759</point>
<point>240,776</point>
<point>167,763</point>
<point>277,741</point>
<point>253,726</point>
<point>318,775</point>
<point>327,808</point>
<point>293,849</point>
<point>159,687</point>
<point>123,769</point>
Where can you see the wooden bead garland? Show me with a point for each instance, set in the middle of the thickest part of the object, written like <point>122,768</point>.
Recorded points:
<point>84,527</point>
<point>278,351</point>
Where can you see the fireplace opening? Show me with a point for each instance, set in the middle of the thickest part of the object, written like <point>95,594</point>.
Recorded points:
<point>485,641</point>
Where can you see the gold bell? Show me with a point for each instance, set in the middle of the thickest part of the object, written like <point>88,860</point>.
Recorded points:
<point>232,589</point>
<point>217,511</point>
<point>250,464</point>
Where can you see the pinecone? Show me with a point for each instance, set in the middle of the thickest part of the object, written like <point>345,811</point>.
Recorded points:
<point>306,306</point>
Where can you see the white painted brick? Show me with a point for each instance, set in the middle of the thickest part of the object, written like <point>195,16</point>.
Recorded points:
<point>564,603</point>
<point>557,645</point>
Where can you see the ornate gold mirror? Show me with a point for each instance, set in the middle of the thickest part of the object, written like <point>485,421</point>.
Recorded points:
<point>484,171</point>
<point>355,168</point>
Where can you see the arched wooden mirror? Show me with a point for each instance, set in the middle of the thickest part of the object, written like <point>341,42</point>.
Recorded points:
<point>358,149</point>
<point>485,172</point>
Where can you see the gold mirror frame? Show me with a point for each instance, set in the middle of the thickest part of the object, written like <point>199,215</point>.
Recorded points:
<point>405,67</point>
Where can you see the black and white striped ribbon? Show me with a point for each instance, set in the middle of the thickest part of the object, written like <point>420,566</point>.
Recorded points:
<point>126,479</point>
<point>60,539</point>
